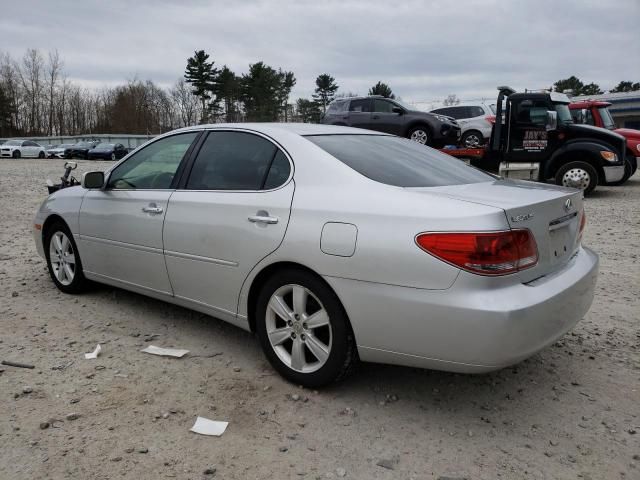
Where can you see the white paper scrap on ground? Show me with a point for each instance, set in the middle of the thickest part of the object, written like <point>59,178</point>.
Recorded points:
<point>166,352</point>
<point>204,426</point>
<point>93,354</point>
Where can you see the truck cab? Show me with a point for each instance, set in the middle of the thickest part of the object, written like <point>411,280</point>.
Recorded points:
<point>535,138</point>
<point>596,113</point>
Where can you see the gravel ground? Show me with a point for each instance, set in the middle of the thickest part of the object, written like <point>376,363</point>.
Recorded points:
<point>572,411</point>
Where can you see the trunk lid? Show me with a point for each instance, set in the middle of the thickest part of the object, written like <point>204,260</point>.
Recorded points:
<point>550,212</point>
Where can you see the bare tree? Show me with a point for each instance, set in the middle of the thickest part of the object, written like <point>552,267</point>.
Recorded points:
<point>54,67</point>
<point>31,76</point>
<point>451,100</point>
<point>187,104</point>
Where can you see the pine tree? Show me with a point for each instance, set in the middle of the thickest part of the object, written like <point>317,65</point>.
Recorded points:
<point>202,76</point>
<point>326,88</point>
<point>381,89</point>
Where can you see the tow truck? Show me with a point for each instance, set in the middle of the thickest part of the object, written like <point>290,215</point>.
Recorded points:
<point>596,113</point>
<point>535,138</point>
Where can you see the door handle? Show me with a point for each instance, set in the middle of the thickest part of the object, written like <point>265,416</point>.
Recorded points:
<point>263,219</point>
<point>152,208</point>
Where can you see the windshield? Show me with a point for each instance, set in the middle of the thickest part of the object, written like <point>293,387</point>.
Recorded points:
<point>105,145</point>
<point>13,142</point>
<point>398,161</point>
<point>607,120</point>
<point>564,114</point>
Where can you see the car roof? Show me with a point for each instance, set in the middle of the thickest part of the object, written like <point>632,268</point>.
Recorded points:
<point>275,128</point>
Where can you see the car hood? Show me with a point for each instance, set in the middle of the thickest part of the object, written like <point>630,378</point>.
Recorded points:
<point>628,133</point>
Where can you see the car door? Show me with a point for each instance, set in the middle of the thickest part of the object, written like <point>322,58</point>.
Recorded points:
<point>528,139</point>
<point>231,212</point>
<point>384,119</point>
<point>360,113</point>
<point>121,225</point>
<point>29,149</point>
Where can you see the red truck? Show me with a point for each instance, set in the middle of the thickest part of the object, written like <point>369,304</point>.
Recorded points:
<point>596,113</point>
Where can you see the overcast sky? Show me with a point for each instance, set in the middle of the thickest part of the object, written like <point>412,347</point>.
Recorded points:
<point>423,49</point>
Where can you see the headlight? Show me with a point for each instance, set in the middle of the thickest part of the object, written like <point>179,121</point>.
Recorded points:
<point>638,147</point>
<point>609,156</point>
<point>442,118</point>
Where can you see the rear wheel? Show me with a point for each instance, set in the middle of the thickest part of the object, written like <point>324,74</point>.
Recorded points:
<point>41,155</point>
<point>16,154</point>
<point>113,156</point>
<point>63,260</point>
<point>577,175</point>
<point>420,134</point>
<point>304,331</point>
<point>472,139</point>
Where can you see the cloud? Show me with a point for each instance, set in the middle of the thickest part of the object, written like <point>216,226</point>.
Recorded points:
<point>423,49</point>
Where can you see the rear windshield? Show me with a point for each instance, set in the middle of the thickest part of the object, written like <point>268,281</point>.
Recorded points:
<point>398,161</point>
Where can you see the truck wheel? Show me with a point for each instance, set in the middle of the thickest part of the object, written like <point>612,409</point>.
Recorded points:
<point>628,171</point>
<point>472,139</point>
<point>420,134</point>
<point>577,175</point>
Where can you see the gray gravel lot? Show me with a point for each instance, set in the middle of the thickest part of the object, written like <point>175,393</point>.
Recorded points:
<point>570,412</point>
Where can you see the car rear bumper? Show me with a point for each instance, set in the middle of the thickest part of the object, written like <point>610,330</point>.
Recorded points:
<point>613,173</point>
<point>470,327</point>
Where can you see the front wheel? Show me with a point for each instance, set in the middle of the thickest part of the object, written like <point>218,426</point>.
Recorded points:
<point>420,134</point>
<point>16,154</point>
<point>63,260</point>
<point>113,156</point>
<point>304,330</point>
<point>472,139</point>
<point>579,175</point>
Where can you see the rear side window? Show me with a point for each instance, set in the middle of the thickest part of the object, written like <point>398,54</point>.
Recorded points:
<point>398,161</point>
<point>337,106</point>
<point>237,161</point>
<point>382,106</point>
<point>362,105</point>
<point>476,112</point>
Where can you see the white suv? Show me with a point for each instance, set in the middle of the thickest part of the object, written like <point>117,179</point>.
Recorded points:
<point>475,120</point>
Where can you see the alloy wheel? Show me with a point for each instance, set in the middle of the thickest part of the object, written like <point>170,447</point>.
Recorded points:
<point>299,328</point>
<point>419,136</point>
<point>576,178</point>
<point>62,257</point>
<point>472,141</point>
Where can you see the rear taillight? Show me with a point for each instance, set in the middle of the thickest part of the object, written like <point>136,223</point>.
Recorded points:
<point>486,253</point>
<point>491,119</point>
<point>583,223</point>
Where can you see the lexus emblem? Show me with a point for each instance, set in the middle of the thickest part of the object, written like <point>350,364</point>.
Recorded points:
<point>567,205</point>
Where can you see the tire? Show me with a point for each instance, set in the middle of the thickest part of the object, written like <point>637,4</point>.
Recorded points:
<point>327,351</point>
<point>472,139</point>
<point>113,156</point>
<point>628,171</point>
<point>634,165</point>
<point>580,175</point>
<point>16,154</point>
<point>420,134</point>
<point>54,243</point>
<point>41,155</point>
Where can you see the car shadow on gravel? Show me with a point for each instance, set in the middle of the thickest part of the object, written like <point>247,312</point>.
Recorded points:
<point>371,383</point>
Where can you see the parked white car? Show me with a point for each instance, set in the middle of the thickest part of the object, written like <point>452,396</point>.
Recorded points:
<point>332,244</point>
<point>475,120</point>
<point>57,151</point>
<point>21,148</point>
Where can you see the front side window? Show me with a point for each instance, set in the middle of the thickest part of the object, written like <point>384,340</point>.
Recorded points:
<point>398,161</point>
<point>382,106</point>
<point>532,112</point>
<point>238,161</point>
<point>154,166</point>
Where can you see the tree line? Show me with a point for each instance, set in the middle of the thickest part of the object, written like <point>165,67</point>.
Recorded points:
<point>37,98</point>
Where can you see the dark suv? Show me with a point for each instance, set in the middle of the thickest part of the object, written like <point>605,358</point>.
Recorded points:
<point>392,116</point>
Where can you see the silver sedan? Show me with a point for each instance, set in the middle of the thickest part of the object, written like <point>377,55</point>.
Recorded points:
<point>332,244</point>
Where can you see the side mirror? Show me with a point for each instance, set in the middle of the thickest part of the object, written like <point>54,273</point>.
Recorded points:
<point>552,121</point>
<point>397,110</point>
<point>92,180</point>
